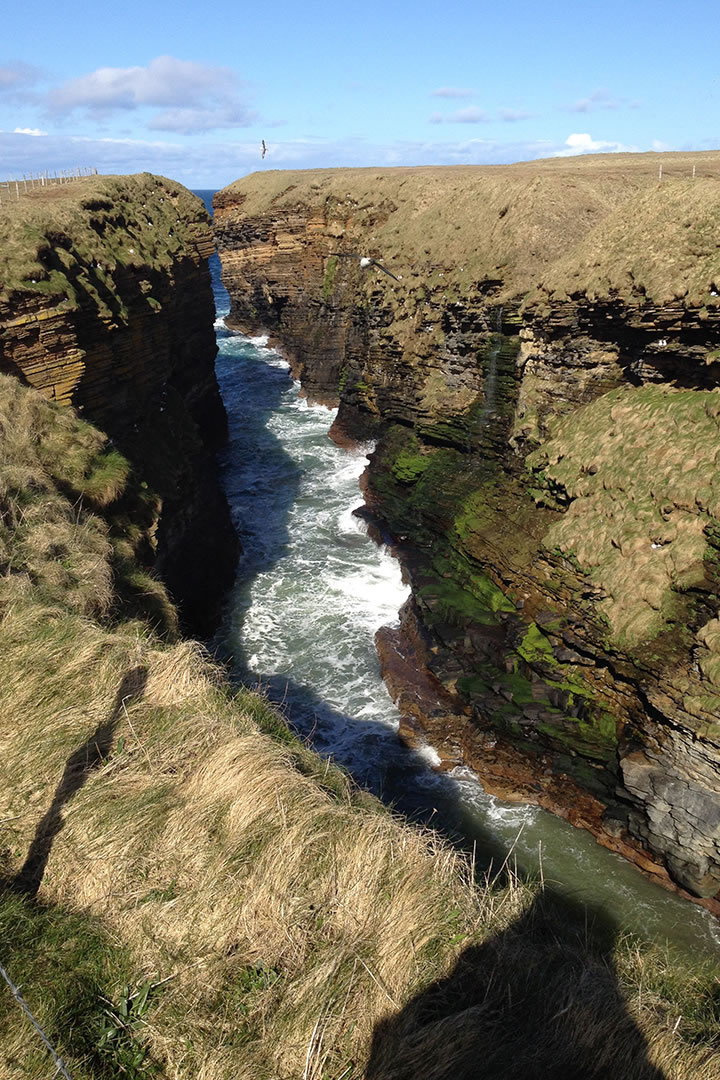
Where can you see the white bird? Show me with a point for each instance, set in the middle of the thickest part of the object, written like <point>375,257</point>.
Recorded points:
<point>365,261</point>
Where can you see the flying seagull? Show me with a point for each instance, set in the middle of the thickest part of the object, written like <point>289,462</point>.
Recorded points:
<point>264,148</point>
<point>366,261</point>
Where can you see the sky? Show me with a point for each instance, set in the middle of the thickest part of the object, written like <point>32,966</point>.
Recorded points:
<point>191,93</point>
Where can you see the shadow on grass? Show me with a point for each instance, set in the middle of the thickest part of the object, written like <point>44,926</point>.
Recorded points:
<point>77,769</point>
<point>539,1001</point>
<point>66,964</point>
<point>66,960</point>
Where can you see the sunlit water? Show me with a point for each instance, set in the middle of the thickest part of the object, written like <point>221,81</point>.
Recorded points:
<point>312,590</point>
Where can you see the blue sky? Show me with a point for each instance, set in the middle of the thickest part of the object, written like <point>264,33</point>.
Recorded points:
<point>163,87</point>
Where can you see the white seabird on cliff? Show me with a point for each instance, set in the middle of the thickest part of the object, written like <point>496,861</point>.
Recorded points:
<point>365,261</point>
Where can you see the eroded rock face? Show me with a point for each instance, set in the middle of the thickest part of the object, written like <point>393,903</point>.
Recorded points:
<point>546,468</point>
<point>110,309</point>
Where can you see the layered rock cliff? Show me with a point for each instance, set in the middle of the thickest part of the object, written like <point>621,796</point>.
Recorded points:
<point>542,373</point>
<point>106,304</point>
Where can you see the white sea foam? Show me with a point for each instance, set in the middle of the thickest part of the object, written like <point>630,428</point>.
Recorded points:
<point>349,522</point>
<point>429,754</point>
<point>314,407</point>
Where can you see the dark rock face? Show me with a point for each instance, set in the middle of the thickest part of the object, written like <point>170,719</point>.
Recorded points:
<point>128,340</point>
<point>560,534</point>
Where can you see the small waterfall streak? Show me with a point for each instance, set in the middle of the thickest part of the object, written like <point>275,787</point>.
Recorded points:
<point>491,376</point>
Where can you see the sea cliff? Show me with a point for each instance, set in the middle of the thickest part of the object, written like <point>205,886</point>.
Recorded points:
<point>106,304</point>
<point>542,374</point>
<point>185,888</point>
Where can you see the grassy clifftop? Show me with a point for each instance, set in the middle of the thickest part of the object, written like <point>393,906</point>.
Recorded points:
<point>187,891</point>
<point>602,225</point>
<point>106,304</point>
<point>68,242</point>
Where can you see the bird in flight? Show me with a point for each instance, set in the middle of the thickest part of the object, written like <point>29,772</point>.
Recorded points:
<point>366,261</point>
<point>264,148</point>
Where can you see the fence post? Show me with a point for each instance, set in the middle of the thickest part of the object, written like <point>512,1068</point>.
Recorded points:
<point>45,178</point>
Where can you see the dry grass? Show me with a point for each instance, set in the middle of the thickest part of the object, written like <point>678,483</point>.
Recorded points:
<point>52,471</point>
<point>600,224</point>
<point>150,831</point>
<point>72,515</point>
<point>208,854</point>
<point>637,467</point>
<point>290,923</point>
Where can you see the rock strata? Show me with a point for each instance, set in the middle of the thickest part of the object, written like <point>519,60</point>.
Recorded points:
<point>106,304</point>
<point>546,401</point>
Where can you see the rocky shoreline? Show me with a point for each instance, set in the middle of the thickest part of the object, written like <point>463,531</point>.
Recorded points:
<point>433,713</point>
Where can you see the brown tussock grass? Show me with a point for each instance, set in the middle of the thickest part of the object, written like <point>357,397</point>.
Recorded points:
<point>348,904</point>
<point>206,853</point>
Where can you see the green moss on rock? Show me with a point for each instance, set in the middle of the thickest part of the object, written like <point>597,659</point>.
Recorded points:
<point>329,277</point>
<point>409,464</point>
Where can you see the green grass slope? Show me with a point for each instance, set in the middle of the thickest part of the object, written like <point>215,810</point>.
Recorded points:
<point>68,242</point>
<point>186,891</point>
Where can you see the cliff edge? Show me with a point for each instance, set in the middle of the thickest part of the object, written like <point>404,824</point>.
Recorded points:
<point>542,370</point>
<point>106,304</point>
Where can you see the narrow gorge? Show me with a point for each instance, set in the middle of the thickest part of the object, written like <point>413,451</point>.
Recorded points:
<point>187,887</point>
<point>541,373</point>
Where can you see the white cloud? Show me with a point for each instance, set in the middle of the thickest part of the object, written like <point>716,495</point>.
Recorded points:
<point>165,81</point>
<point>214,163</point>
<point>28,131</point>
<point>453,92</point>
<point>192,121</point>
<point>512,116</point>
<point>582,143</point>
<point>218,162</point>
<point>193,97</point>
<point>599,99</point>
<point>470,115</point>
<point>17,76</point>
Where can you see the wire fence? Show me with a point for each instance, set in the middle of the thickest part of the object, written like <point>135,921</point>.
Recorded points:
<point>12,189</point>
<point>60,1068</point>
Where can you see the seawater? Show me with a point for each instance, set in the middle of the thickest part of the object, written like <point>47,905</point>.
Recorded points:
<point>311,591</point>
